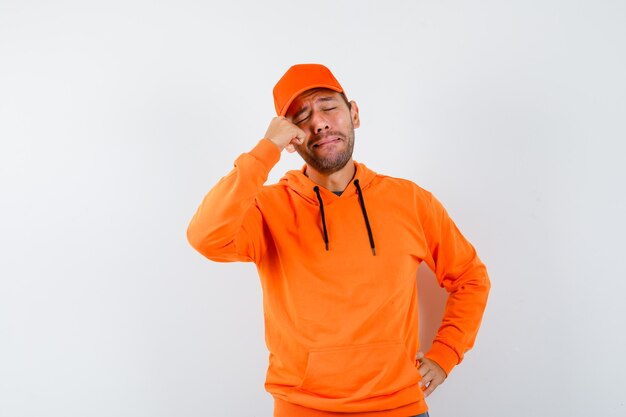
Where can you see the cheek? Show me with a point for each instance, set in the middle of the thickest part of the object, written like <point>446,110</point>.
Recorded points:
<point>343,120</point>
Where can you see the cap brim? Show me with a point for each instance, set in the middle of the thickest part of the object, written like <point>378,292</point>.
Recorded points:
<point>285,108</point>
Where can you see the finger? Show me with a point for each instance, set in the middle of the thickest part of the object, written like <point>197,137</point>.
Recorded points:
<point>300,135</point>
<point>426,369</point>
<point>431,387</point>
<point>419,356</point>
<point>296,141</point>
<point>290,148</point>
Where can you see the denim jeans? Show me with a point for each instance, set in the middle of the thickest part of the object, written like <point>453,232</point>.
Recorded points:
<point>422,415</point>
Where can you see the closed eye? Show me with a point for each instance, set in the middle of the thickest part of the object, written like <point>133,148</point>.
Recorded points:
<point>301,121</point>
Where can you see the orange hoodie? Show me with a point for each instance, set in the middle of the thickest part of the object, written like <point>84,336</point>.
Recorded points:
<point>341,317</point>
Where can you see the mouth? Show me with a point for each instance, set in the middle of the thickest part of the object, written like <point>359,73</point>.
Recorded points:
<point>326,141</point>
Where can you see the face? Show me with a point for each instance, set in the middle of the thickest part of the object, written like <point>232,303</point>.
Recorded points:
<point>329,126</point>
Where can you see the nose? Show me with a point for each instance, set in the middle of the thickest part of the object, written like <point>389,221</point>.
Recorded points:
<point>319,123</point>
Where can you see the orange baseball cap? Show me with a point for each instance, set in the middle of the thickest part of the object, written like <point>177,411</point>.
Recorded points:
<point>300,78</point>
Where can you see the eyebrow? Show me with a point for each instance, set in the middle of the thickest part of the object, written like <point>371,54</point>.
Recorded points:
<point>304,109</point>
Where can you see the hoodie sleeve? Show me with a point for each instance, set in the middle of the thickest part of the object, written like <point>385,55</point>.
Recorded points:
<point>459,270</point>
<point>228,225</point>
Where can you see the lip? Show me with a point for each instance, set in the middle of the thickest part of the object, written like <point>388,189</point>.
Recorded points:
<point>326,141</point>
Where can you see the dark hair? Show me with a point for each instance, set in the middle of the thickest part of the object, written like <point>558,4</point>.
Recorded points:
<point>345,99</point>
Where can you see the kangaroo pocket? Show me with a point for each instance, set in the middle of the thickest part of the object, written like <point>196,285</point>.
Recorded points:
<point>356,373</point>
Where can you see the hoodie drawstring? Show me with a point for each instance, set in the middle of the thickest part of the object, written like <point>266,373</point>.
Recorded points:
<point>319,198</point>
<point>367,222</point>
<point>361,201</point>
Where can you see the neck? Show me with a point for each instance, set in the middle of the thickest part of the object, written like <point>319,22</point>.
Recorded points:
<point>337,181</point>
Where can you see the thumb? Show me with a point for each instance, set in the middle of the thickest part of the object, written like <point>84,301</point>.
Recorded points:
<point>300,135</point>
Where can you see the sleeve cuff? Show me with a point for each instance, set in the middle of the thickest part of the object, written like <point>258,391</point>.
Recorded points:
<point>444,356</point>
<point>266,152</point>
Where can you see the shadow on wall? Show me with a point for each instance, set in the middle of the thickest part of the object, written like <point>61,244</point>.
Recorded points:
<point>432,303</point>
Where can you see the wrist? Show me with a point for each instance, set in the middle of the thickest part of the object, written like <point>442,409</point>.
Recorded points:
<point>443,355</point>
<point>276,143</point>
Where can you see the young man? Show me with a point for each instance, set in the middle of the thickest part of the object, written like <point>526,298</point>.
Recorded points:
<point>337,247</point>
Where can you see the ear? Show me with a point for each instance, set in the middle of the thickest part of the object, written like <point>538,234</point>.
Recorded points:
<point>354,114</point>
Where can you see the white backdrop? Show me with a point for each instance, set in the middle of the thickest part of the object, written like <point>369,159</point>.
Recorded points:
<point>116,117</point>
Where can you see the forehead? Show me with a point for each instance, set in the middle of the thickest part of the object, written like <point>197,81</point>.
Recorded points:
<point>310,97</point>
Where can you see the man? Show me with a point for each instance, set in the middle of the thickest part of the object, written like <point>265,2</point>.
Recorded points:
<point>337,247</point>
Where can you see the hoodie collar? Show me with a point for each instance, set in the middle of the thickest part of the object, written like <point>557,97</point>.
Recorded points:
<point>303,185</point>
